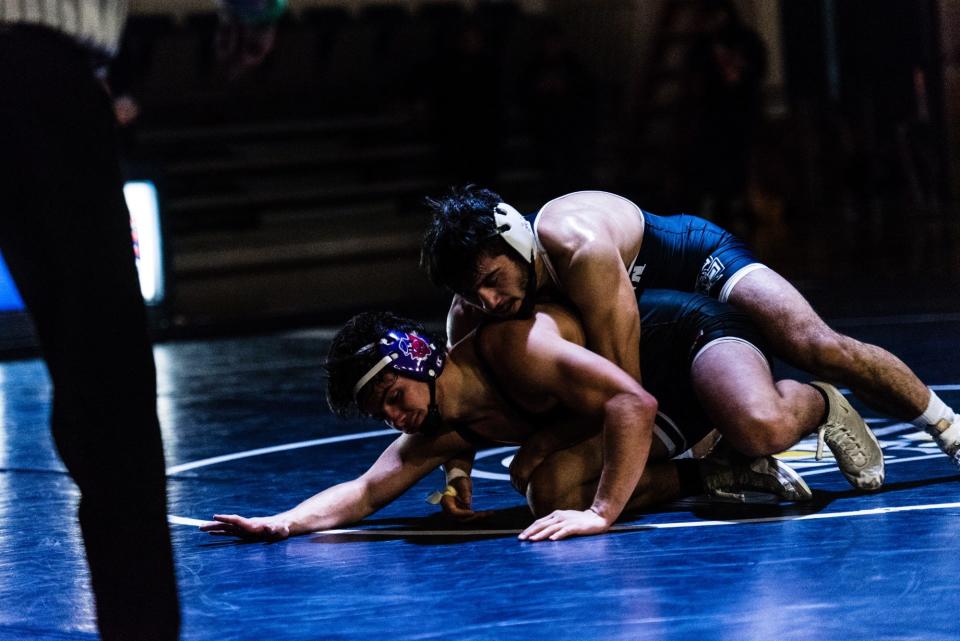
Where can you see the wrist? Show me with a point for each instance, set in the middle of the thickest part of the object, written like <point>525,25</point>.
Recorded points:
<point>435,498</point>
<point>603,513</point>
<point>455,473</point>
<point>285,526</point>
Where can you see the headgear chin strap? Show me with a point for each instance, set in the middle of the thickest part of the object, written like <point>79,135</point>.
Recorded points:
<point>517,232</point>
<point>411,355</point>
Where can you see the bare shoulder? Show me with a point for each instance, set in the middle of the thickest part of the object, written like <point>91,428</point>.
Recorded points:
<point>514,339</point>
<point>589,221</point>
<point>561,321</point>
<point>504,339</point>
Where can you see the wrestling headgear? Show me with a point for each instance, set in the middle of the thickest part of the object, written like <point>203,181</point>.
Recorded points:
<point>517,232</point>
<point>412,355</point>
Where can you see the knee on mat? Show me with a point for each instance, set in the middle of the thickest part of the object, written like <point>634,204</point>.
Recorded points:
<point>549,490</point>
<point>543,491</point>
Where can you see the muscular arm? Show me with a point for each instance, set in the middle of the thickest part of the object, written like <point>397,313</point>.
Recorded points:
<point>399,467</point>
<point>598,286</point>
<point>533,357</point>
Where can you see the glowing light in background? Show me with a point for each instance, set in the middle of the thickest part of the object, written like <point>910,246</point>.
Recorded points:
<point>141,197</point>
<point>10,300</point>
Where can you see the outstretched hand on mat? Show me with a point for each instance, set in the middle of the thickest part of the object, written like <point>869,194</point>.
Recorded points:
<point>263,528</point>
<point>560,524</point>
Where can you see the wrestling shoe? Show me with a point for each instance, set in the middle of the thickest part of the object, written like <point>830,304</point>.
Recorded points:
<point>727,474</point>
<point>854,446</point>
<point>947,436</point>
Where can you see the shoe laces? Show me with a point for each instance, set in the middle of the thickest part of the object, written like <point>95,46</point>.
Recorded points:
<point>843,439</point>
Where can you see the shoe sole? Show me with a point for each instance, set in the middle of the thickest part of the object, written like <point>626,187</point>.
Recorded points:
<point>946,439</point>
<point>786,476</point>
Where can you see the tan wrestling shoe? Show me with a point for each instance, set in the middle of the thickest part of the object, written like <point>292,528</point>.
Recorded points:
<point>854,446</point>
<point>947,436</point>
<point>727,474</point>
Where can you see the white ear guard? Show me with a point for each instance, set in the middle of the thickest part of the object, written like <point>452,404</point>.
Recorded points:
<point>515,229</point>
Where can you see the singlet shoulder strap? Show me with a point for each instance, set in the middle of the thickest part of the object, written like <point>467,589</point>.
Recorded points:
<point>534,220</point>
<point>643,221</point>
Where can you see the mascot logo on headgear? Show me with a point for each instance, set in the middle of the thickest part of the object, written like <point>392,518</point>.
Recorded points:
<point>414,347</point>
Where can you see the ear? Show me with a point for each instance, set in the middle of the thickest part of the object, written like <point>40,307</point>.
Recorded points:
<point>515,230</point>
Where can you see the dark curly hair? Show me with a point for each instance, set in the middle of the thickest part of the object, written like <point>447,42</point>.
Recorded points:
<point>347,360</point>
<point>462,230</point>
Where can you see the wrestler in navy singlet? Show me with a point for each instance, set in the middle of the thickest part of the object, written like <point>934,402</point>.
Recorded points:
<point>689,254</point>
<point>683,252</point>
<point>676,326</point>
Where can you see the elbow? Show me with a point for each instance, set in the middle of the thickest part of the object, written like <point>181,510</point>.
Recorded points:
<point>648,406</point>
<point>640,408</point>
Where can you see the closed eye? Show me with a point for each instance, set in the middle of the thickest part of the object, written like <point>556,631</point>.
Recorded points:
<point>487,280</point>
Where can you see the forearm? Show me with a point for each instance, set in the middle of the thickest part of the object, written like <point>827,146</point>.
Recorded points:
<point>618,344</point>
<point>339,505</point>
<point>628,360</point>
<point>598,286</point>
<point>627,436</point>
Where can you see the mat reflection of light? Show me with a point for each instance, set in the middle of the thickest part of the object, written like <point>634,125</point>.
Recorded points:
<point>6,498</point>
<point>3,426</point>
<point>39,536</point>
<point>166,411</point>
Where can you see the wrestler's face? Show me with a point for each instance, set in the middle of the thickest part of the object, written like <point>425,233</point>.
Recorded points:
<point>398,401</point>
<point>501,285</point>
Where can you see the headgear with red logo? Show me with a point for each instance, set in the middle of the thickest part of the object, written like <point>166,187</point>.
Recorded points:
<point>412,355</point>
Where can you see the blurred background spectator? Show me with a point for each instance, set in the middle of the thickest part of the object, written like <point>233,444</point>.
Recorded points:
<point>727,65</point>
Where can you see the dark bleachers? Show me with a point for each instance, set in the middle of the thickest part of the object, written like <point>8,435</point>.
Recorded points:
<point>312,168</point>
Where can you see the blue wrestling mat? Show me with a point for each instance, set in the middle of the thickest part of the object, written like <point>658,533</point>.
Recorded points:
<point>247,431</point>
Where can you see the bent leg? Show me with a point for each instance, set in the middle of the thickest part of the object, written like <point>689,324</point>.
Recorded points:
<point>757,415</point>
<point>798,335</point>
<point>567,479</point>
